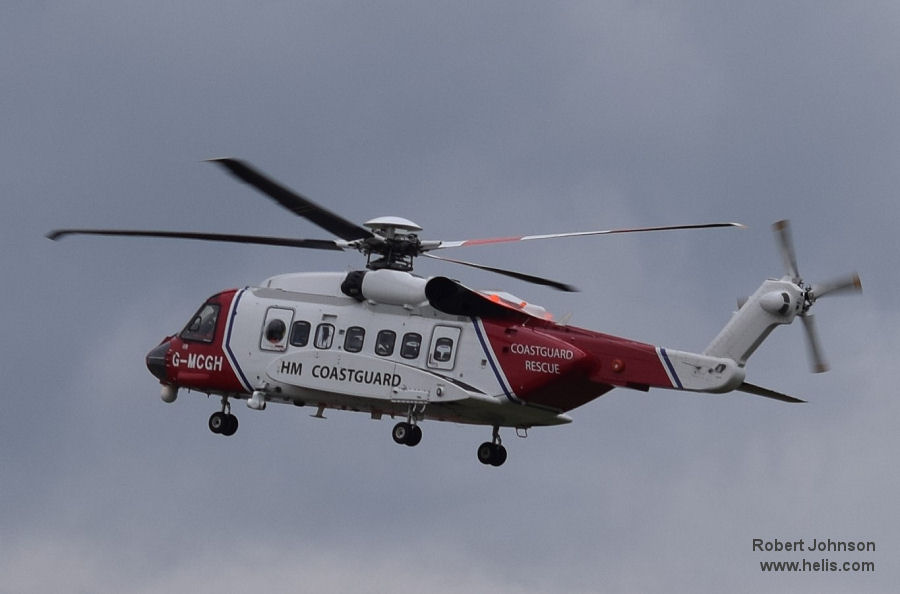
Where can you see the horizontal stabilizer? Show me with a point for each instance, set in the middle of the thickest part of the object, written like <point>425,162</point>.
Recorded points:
<point>760,391</point>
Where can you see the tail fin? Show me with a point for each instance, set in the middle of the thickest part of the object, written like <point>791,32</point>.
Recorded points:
<point>760,391</point>
<point>778,302</point>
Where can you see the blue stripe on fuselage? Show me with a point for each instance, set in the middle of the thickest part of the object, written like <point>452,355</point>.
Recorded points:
<point>671,368</point>
<point>232,359</point>
<point>498,373</point>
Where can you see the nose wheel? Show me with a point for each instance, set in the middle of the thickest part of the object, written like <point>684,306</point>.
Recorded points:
<point>223,422</point>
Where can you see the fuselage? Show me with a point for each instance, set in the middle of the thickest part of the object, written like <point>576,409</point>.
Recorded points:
<point>400,343</point>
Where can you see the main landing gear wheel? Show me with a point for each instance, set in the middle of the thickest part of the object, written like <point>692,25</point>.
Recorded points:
<point>493,454</point>
<point>223,423</point>
<point>407,434</point>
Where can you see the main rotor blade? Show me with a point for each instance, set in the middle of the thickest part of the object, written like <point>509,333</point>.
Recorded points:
<point>318,244</point>
<point>817,359</point>
<point>786,243</point>
<point>471,242</point>
<point>299,205</point>
<point>844,284</point>
<point>537,280</point>
<point>760,391</point>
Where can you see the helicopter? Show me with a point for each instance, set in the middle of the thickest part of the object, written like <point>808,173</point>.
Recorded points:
<point>386,342</point>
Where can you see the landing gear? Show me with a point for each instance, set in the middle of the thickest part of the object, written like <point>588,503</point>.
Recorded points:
<point>407,434</point>
<point>223,422</point>
<point>492,452</point>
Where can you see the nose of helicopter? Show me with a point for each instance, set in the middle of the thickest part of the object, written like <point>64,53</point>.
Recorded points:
<point>156,360</point>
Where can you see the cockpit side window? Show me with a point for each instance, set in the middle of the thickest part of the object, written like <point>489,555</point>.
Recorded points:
<point>202,327</point>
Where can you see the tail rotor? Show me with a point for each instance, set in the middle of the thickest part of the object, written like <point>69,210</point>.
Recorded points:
<point>810,293</point>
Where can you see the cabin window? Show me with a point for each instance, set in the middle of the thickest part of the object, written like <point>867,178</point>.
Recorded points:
<point>202,327</point>
<point>384,343</point>
<point>443,347</point>
<point>324,336</point>
<point>442,352</point>
<point>275,329</point>
<point>300,333</point>
<point>354,338</point>
<point>412,342</point>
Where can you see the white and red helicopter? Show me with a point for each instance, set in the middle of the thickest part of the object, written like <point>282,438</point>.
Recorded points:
<point>387,342</point>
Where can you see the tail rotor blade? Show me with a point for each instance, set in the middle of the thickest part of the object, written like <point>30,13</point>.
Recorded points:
<point>783,233</point>
<point>844,284</point>
<point>819,365</point>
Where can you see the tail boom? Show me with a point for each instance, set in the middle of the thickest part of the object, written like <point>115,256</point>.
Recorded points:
<point>776,302</point>
<point>700,373</point>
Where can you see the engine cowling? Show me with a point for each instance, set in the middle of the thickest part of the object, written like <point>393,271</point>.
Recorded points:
<point>391,287</point>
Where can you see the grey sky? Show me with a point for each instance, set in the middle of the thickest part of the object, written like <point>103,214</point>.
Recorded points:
<point>474,120</point>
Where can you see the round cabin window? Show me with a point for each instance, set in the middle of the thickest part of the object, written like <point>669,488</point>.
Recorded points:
<point>275,331</point>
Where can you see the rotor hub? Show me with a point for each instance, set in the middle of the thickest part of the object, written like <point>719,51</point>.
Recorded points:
<point>394,246</point>
<point>388,227</point>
